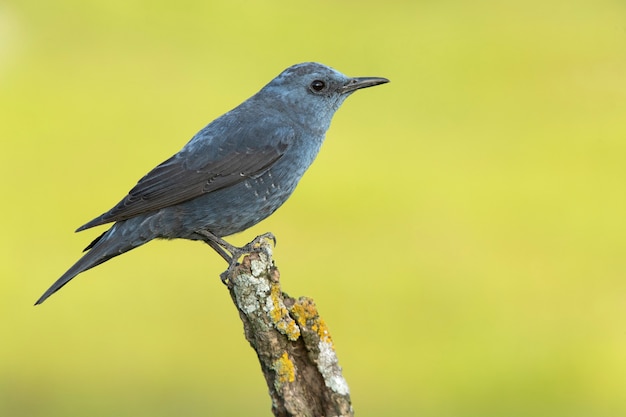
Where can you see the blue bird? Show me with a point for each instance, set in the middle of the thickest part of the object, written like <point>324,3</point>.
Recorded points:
<point>232,174</point>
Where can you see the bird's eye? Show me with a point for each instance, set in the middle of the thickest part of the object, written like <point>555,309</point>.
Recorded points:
<point>318,85</point>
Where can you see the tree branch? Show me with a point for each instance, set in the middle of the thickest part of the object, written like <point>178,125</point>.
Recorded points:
<point>291,340</point>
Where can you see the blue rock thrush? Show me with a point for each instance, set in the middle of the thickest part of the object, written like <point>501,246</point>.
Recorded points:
<point>232,174</point>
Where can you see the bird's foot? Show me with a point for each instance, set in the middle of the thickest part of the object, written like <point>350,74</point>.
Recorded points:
<point>231,253</point>
<point>256,243</point>
<point>238,252</point>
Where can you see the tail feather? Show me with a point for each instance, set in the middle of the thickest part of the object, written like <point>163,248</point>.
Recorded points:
<point>105,247</point>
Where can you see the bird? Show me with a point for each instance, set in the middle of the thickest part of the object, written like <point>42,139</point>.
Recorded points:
<point>232,174</point>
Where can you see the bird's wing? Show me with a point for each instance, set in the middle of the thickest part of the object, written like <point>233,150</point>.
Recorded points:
<point>173,182</point>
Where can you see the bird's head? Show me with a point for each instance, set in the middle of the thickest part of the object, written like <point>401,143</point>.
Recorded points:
<point>314,91</point>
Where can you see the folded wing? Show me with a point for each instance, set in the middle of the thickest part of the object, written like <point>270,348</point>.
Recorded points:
<point>173,182</point>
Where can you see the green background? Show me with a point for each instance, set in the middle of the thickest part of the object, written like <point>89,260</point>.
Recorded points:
<point>462,231</point>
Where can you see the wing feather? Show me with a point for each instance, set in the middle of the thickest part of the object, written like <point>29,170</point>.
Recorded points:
<point>172,182</point>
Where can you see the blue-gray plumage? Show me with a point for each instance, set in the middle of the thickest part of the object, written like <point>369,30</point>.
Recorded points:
<point>232,174</point>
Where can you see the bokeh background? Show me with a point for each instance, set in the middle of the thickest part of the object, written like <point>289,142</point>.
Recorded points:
<point>462,230</point>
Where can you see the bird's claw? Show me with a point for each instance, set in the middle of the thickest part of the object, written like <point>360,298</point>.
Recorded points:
<point>257,241</point>
<point>237,253</point>
<point>224,276</point>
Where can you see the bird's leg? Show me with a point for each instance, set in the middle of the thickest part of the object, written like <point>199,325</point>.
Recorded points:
<point>220,250</point>
<point>222,247</point>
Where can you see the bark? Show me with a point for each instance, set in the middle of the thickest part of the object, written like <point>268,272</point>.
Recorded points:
<point>291,340</point>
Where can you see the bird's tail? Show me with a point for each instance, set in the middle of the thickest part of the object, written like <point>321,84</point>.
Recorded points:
<point>110,244</point>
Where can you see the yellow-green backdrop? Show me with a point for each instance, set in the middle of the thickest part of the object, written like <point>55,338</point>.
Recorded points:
<point>462,231</point>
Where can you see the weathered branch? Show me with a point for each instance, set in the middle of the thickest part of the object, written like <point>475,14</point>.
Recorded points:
<point>291,340</point>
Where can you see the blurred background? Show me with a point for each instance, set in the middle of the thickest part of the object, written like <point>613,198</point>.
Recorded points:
<point>462,230</point>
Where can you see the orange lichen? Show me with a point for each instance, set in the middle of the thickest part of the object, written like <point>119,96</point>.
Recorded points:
<point>285,371</point>
<point>307,316</point>
<point>322,330</point>
<point>278,309</point>
<point>280,316</point>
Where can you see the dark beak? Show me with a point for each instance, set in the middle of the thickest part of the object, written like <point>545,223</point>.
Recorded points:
<point>361,82</point>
